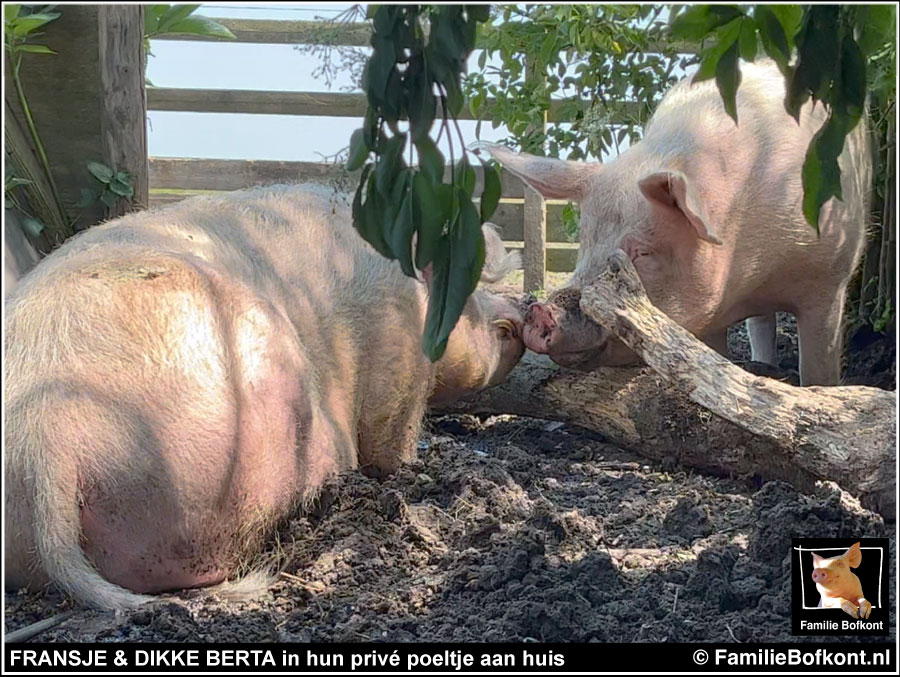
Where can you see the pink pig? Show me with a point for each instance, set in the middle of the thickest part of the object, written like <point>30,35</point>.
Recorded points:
<point>838,586</point>
<point>710,213</point>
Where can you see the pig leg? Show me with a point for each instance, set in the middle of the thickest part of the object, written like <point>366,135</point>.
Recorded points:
<point>762,339</point>
<point>819,332</point>
<point>718,341</point>
<point>865,608</point>
<point>848,606</point>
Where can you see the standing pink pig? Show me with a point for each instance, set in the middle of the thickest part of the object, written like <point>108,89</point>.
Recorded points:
<point>179,380</point>
<point>710,213</point>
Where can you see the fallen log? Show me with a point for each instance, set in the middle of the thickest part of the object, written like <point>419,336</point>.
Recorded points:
<point>694,407</point>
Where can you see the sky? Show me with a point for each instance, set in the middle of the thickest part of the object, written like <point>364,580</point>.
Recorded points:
<point>226,65</point>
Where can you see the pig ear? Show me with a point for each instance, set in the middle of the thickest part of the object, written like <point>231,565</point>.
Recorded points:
<point>671,191</point>
<point>853,555</point>
<point>552,178</point>
<point>817,559</point>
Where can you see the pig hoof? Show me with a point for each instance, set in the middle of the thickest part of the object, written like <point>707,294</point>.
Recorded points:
<point>850,608</point>
<point>865,608</point>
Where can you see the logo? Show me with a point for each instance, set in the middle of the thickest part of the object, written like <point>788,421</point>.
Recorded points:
<point>839,586</point>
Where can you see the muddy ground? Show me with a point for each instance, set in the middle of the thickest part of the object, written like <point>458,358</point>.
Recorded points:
<point>515,529</point>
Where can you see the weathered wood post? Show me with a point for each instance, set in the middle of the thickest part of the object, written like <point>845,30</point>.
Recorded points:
<point>534,226</point>
<point>123,116</point>
<point>88,102</point>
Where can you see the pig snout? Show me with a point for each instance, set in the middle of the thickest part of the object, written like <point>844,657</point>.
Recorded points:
<point>540,327</point>
<point>559,329</point>
<point>822,577</point>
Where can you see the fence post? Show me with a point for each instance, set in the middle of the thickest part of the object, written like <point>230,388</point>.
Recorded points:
<point>534,226</point>
<point>123,113</point>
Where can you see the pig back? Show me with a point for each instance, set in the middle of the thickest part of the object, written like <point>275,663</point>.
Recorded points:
<point>356,319</point>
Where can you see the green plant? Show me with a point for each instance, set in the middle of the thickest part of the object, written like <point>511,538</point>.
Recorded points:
<point>417,50</point>
<point>585,60</point>
<point>19,29</point>
<point>113,185</point>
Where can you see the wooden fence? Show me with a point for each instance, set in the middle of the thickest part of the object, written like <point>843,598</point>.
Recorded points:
<point>528,223</point>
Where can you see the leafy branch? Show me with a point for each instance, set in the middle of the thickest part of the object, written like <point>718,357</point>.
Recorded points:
<point>417,51</point>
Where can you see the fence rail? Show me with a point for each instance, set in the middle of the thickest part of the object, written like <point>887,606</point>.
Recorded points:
<point>331,104</point>
<point>338,34</point>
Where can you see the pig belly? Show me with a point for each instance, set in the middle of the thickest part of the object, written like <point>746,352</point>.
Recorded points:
<point>137,552</point>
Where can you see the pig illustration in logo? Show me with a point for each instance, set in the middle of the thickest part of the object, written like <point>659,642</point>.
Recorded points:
<point>838,586</point>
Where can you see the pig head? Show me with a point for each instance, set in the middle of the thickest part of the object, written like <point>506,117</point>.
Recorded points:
<point>657,219</point>
<point>837,585</point>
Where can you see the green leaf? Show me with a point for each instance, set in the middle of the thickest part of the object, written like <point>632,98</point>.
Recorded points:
<point>878,28</point>
<point>23,25</point>
<point>571,217</point>
<point>15,182</point>
<point>698,21</point>
<point>101,172</point>
<point>821,175</point>
<point>816,57</point>
<point>357,205</point>
<point>790,18</point>
<point>428,218</point>
<point>198,25</point>
<point>479,12</point>
<point>109,198</point>
<point>465,177</point>
<point>402,232</point>
<point>422,103</point>
<point>371,223</point>
<point>152,15</point>
<point>389,164</point>
<point>359,152</point>
<point>32,226</point>
<point>773,37</point>
<point>709,61</point>
<point>10,12</point>
<point>548,49</point>
<point>747,39</point>
<point>490,197</point>
<point>173,15</point>
<point>849,99</point>
<point>728,79</point>
<point>36,49</point>
<point>121,189</point>
<point>431,161</point>
<point>378,70</point>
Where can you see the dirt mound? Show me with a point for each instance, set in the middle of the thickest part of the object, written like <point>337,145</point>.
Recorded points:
<point>511,529</point>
